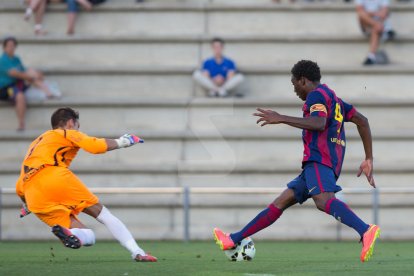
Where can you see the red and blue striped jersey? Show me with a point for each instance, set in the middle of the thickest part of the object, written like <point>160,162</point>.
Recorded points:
<point>328,146</point>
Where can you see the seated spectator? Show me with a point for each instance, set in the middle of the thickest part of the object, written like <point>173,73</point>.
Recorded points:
<point>15,79</point>
<point>219,74</point>
<point>37,7</point>
<point>73,9</point>
<point>374,19</point>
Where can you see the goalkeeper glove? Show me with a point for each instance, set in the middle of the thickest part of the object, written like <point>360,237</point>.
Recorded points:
<point>24,211</point>
<point>128,140</point>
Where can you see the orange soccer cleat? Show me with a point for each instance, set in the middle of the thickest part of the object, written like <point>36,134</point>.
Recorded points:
<point>368,241</point>
<point>223,239</point>
<point>146,258</point>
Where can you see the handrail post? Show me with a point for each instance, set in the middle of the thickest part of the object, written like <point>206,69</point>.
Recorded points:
<point>375,205</point>
<point>338,231</point>
<point>186,211</point>
<point>1,210</point>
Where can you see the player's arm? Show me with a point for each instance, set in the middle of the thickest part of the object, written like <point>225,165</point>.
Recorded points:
<point>313,123</point>
<point>111,144</point>
<point>14,73</point>
<point>206,73</point>
<point>366,17</point>
<point>231,70</point>
<point>364,131</point>
<point>205,69</point>
<point>101,145</point>
<point>383,13</point>
<point>124,141</point>
<point>230,74</point>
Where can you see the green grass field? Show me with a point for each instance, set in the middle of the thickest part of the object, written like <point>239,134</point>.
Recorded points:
<point>204,258</point>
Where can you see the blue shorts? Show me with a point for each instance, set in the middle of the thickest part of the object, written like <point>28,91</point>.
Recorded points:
<point>73,6</point>
<point>9,92</point>
<point>314,179</point>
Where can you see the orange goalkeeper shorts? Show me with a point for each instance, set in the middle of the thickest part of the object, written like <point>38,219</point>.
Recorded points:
<point>55,193</point>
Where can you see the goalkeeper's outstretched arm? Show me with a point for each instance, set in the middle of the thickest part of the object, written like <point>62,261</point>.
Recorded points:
<point>124,141</point>
<point>101,145</point>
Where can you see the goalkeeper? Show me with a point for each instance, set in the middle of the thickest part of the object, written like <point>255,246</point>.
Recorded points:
<point>56,196</point>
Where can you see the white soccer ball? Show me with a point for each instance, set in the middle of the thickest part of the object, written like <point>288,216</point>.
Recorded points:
<point>244,251</point>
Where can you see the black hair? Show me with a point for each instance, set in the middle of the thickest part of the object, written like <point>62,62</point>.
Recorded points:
<point>307,69</point>
<point>8,39</point>
<point>217,39</point>
<point>62,115</point>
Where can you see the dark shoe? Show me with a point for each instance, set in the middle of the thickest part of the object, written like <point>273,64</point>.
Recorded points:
<point>212,94</point>
<point>66,237</point>
<point>370,61</point>
<point>391,35</point>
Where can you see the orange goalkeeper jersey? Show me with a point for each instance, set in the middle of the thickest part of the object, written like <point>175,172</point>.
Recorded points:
<point>57,147</point>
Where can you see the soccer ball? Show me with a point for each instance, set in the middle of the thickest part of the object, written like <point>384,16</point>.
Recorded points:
<point>244,251</point>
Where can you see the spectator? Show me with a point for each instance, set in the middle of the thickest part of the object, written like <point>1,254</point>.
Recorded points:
<point>73,9</point>
<point>38,7</point>
<point>219,74</point>
<point>374,19</point>
<point>15,79</point>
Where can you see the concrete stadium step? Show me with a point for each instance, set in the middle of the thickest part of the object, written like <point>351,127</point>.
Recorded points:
<point>223,152</point>
<point>399,198</point>
<point>209,115</point>
<point>218,148</point>
<point>191,50</point>
<point>121,17</point>
<point>261,82</point>
<point>167,223</point>
<point>123,83</point>
<point>198,115</point>
<point>215,174</point>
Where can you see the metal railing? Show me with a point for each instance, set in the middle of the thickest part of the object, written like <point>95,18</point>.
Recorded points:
<point>186,193</point>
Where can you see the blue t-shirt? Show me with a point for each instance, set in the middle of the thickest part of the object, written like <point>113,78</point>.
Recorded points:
<point>216,69</point>
<point>328,146</point>
<point>6,64</point>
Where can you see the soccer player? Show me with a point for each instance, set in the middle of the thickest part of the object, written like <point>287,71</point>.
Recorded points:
<point>56,196</point>
<point>324,142</point>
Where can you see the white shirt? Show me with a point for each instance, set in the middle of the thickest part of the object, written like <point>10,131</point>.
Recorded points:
<point>372,5</point>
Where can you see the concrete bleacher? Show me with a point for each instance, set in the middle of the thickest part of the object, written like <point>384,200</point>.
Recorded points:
<point>128,69</point>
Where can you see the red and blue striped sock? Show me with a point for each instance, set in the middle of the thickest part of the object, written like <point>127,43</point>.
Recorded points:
<point>340,211</point>
<point>261,221</point>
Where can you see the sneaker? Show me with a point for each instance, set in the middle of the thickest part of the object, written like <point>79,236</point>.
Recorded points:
<point>239,95</point>
<point>145,259</point>
<point>389,35</point>
<point>222,93</point>
<point>28,14</point>
<point>370,61</point>
<point>368,241</point>
<point>223,239</point>
<point>66,237</point>
<point>212,94</point>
